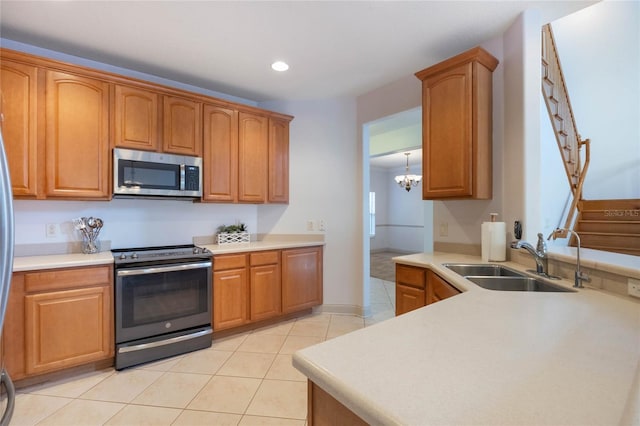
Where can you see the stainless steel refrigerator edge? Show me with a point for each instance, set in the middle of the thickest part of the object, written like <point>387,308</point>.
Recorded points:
<point>7,239</point>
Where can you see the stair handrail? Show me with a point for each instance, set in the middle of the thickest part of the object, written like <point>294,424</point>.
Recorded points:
<point>568,139</point>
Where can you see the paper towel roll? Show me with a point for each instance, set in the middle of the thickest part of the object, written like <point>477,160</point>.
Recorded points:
<point>494,241</point>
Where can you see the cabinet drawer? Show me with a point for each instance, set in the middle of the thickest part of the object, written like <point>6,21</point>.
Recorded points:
<point>410,275</point>
<point>55,279</point>
<point>234,261</point>
<point>264,258</point>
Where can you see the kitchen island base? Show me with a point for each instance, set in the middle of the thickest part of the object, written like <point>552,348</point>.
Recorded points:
<point>323,409</point>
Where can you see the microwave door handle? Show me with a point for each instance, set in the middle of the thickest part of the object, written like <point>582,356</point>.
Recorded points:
<point>182,179</point>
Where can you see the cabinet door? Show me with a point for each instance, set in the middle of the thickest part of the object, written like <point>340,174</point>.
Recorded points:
<point>13,330</point>
<point>220,145</point>
<point>410,276</point>
<point>447,134</point>
<point>229,298</point>
<point>135,118</point>
<point>301,279</point>
<point>67,328</point>
<point>77,137</point>
<point>253,142</point>
<point>278,161</point>
<point>182,126</point>
<point>19,97</point>
<point>408,299</point>
<point>266,301</point>
<point>438,289</point>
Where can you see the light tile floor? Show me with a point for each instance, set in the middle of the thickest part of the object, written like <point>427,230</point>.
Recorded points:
<point>246,379</point>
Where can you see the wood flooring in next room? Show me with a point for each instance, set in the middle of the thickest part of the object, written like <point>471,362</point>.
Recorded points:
<point>382,285</point>
<point>381,265</point>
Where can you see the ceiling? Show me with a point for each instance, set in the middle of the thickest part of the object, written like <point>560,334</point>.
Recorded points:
<point>334,48</point>
<point>397,160</point>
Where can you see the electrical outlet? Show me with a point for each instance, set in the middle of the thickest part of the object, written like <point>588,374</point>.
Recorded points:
<point>52,230</point>
<point>321,226</point>
<point>310,226</point>
<point>444,229</point>
<point>634,288</point>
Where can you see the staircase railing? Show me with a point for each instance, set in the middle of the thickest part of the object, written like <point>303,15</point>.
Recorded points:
<point>556,96</point>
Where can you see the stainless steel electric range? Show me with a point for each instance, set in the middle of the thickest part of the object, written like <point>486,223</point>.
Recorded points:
<point>162,302</point>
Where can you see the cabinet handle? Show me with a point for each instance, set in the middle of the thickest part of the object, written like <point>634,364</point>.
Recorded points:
<point>171,341</point>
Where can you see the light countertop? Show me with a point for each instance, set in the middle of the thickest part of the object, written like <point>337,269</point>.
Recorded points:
<point>31,263</point>
<point>54,261</point>
<point>259,246</point>
<point>489,357</point>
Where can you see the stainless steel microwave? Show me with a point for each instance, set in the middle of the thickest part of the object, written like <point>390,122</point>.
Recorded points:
<point>156,175</point>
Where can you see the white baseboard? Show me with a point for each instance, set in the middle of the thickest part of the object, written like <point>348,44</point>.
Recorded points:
<point>343,310</point>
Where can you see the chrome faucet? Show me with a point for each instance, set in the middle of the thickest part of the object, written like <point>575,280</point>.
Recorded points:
<point>539,253</point>
<point>579,276</point>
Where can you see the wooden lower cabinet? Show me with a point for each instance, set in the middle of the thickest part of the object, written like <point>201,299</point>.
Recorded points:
<point>301,278</point>
<point>266,290</point>
<point>408,299</point>
<point>438,289</point>
<point>410,288</point>
<point>262,285</point>
<point>323,409</point>
<point>230,292</point>
<point>229,298</point>
<point>67,328</point>
<point>58,318</point>
<point>417,287</point>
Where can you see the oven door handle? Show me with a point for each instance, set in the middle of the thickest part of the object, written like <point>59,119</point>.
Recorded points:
<point>160,269</point>
<point>170,341</point>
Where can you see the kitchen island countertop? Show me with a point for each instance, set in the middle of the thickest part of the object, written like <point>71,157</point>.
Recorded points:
<point>489,357</point>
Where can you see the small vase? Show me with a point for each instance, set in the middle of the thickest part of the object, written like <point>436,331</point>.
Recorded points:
<point>90,246</point>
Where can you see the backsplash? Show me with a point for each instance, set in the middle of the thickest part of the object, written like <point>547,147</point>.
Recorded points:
<point>127,222</point>
<point>600,279</point>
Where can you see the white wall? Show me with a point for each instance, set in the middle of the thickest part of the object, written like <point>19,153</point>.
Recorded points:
<point>599,50</point>
<point>521,106</point>
<point>399,214</point>
<point>129,223</point>
<point>324,184</point>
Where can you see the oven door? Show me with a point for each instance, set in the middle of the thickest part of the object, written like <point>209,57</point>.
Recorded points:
<point>155,300</point>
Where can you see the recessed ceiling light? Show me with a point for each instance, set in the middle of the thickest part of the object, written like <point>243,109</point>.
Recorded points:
<point>279,66</point>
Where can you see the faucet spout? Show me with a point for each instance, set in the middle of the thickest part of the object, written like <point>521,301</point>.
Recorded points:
<point>539,253</point>
<point>579,276</point>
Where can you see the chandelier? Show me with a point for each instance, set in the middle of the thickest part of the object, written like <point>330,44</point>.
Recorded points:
<point>406,181</point>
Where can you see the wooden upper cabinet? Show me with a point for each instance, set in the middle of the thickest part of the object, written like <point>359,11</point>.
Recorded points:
<point>278,160</point>
<point>253,141</point>
<point>19,103</point>
<point>182,126</point>
<point>136,118</point>
<point>220,147</point>
<point>77,137</point>
<point>457,127</point>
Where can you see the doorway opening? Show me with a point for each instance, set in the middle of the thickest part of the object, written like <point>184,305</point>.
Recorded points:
<point>394,217</point>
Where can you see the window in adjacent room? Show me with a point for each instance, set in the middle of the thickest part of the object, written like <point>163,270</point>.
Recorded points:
<point>372,214</point>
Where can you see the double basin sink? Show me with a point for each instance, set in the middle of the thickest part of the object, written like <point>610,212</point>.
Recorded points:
<point>499,277</point>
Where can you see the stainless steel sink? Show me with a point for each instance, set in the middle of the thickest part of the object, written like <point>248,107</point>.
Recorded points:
<point>499,277</point>
<point>483,270</point>
<point>517,284</point>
